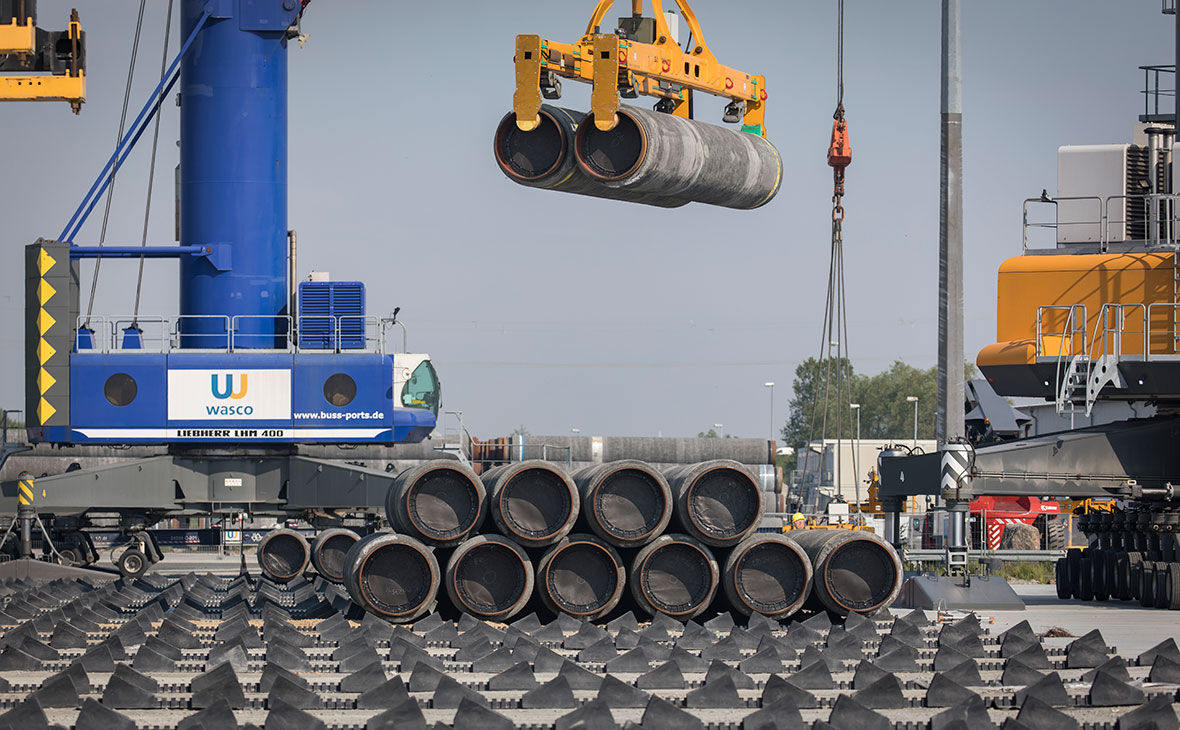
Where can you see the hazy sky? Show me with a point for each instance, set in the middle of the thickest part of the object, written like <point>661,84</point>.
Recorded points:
<point>557,311</point>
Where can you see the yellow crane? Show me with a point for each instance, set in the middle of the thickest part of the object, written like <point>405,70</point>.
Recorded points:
<point>38,64</point>
<point>642,57</point>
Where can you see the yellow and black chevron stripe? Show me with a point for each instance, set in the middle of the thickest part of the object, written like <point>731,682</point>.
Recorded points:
<point>25,491</point>
<point>51,312</point>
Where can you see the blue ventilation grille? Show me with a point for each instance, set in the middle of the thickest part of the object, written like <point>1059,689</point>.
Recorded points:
<point>330,307</point>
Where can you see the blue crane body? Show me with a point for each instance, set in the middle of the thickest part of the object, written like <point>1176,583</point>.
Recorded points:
<point>254,397</point>
<point>243,360</point>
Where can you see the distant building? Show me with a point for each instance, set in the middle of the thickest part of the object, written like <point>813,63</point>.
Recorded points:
<point>814,482</point>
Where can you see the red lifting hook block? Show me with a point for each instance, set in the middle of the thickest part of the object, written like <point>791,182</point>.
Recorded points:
<point>840,151</point>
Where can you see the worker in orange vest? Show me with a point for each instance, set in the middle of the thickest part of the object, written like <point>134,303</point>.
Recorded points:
<point>798,521</point>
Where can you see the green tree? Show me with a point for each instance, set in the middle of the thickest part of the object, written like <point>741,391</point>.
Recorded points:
<point>884,411</point>
<point>806,409</point>
<point>712,434</point>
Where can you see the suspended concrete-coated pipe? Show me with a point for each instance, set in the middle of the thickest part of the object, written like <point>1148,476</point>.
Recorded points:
<point>853,571</point>
<point>674,575</point>
<point>393,576</point>
<point>581,575</point>
<point>532,502</point>
<point>544,158</point>
<point>490,577</point>
<point>718,502</point>
<point>328,550</point>
<point>767,573</point>
<point>283,554</point>
<point>440,502</point>
<point>627,503</point>
<point>653,153</point>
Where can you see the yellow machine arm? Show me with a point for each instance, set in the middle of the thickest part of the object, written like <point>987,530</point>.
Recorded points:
<point>33,66</point>
<point>646,60</point>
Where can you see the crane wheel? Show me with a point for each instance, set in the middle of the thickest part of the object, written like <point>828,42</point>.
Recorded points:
<point>1062,573</point>
<point>132,563</point>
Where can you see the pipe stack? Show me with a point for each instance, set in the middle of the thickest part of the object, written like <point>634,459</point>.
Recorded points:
<point>613,537</point>
<point>648,157</point>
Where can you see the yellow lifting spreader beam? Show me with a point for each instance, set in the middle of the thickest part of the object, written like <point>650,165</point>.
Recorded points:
<point>644,60</point>
<point>56,76</point>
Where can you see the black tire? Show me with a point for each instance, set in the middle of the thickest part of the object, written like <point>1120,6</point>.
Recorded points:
<point>1073,561</point>
<point>1173,584</point>
<point>132,563</point>
<point>1054,532</point>
<point>1084,590</point>
<point>328,551</point>
<point>1163,590</point>
<point>70,557</point>
<point>1134,576</point>
<point>1064,590</point>
<point>1147,584</point>
<point>283,555</point>
<point>1119,573</point>
<point>1098,574</point>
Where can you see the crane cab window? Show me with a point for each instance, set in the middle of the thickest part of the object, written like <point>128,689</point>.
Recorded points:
<point>422,389</point>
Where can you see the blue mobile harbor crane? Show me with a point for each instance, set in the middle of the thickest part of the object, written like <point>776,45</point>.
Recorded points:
<point>247,400</point>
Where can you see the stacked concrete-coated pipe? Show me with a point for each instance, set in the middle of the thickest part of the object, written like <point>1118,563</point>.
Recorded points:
<point>613,537</point>
<point>853,571</point>
<point>648,157</point>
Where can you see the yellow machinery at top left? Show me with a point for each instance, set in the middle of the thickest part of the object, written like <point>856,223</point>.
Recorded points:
<point>38,64</point>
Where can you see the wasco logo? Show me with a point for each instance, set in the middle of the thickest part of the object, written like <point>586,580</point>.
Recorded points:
<point>229,391</point>
<point>206,395</point>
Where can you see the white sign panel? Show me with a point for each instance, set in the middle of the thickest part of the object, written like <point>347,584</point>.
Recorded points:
<point>229,395</point>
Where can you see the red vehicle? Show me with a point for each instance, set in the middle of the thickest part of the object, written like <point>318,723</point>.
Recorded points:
<point>994,514</point>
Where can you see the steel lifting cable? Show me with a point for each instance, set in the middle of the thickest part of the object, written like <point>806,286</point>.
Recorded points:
<point>835,324</point>
<point>147,208</point>
<point>111,188</point>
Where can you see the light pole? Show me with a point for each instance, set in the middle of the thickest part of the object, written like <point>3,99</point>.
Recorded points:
<point>720,430</point>
<point>770,384</point>
<point>914,399</point>
<point>575,429</point>
<point>856,455</point>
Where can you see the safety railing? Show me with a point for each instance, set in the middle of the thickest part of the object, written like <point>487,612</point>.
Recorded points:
<point>223,333</point>
<point>1152,89</point>
<point>1117,338</point>
<point>1151,218</point>
<point>1163,330</point>
<point>1056,224</point>
<point>200,331</point>
<point>1067,341</point>
<point>259,332</point>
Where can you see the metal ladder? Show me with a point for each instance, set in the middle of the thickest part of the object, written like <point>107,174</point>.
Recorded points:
<point>1072,385</point>
<point>460,449</point>
<point>1175,302</point>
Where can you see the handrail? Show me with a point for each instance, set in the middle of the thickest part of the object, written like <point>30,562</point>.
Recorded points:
<point>1116,332</point>
<point>1161,218</point>
<point>1071,328</point>
<point>1101,222</point>
<point>235,329</point>
<point>164,333</point>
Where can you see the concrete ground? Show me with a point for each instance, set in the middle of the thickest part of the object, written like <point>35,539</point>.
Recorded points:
<point>1126,626</point>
